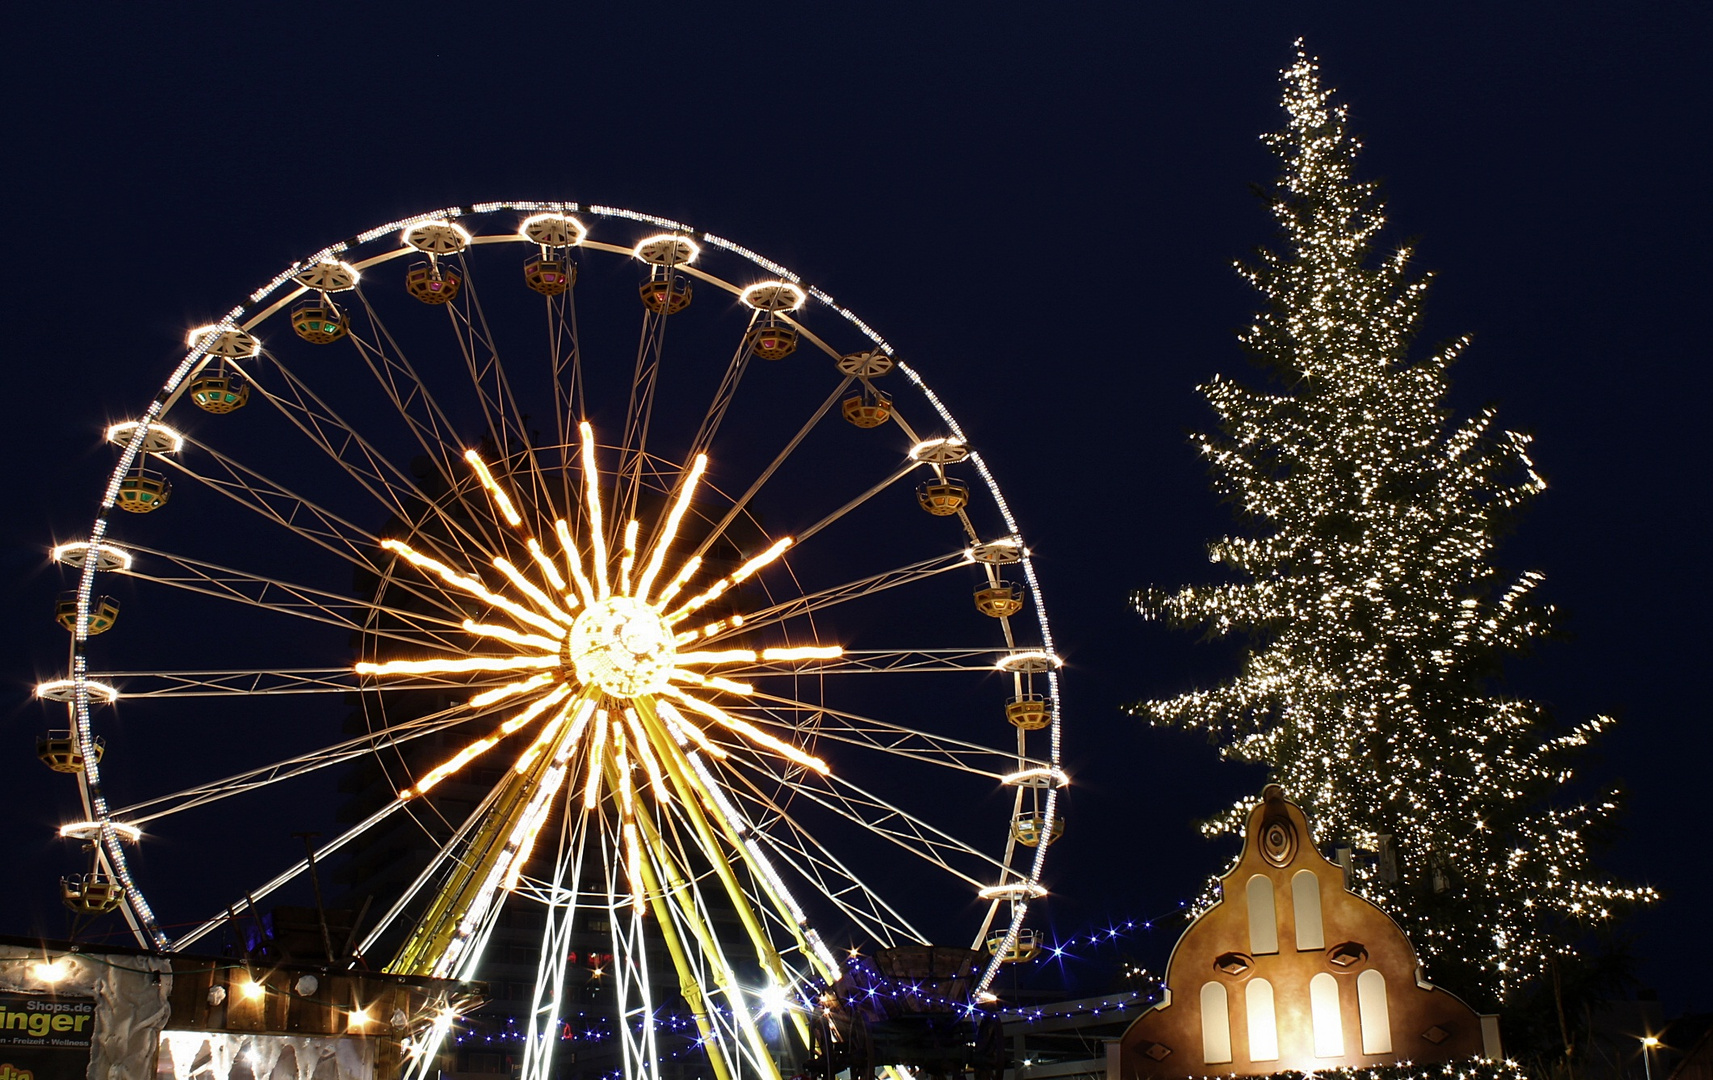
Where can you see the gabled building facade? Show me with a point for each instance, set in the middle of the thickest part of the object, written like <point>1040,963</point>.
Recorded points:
<point>1291,971</point>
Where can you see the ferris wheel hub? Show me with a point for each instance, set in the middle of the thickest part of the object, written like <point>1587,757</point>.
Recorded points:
<point>622,645</point>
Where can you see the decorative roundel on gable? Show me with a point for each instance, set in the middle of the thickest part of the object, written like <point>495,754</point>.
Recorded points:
<point>1347,956</point>
<point>1234,964</point>
<point>1278,841</point>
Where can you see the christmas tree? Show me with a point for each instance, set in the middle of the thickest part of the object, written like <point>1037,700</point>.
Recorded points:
<point>1361,580</point>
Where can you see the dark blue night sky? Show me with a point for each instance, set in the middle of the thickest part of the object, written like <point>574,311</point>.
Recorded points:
<point>1039,205</point>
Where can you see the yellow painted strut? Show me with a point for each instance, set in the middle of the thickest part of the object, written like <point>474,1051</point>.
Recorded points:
<point>436,931</point>
<point>691,795</point>
<point>684,902</point>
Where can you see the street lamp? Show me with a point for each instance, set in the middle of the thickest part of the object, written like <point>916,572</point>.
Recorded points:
<point>1648,1044</point>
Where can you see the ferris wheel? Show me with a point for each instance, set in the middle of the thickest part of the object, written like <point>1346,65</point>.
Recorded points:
<point>643,578</point>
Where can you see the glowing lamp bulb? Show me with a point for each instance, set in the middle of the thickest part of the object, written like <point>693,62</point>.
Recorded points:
<point>253,990</point>
<point>50,971</point>
<point>775,999</point>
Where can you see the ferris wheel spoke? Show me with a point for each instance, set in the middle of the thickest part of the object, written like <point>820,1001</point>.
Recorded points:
<point>298,869</point>
<point>487,375</point>
<point>710,426</point>
<point>505,420</point>
<point>639,411</point>
<point>834,595</point>
<point>880,818</point>
<point>284,507</point>
<point>559,897</point>
<point>880,662</point>
<point>723,395</point>
<point>386,738</point>
<point>319,526</point>
<point>302,601</point>
<point>567,354</point>
<point>898,474</point>
<point>844,889</point>
<point>760,481</point>
<point>410,396</point>
<point>908,831</point>
<point>447,856</point>
<point>819,868</point>
<point>667,874</point>
<point>396,492</point>
<point>422,415</point>
<point>252,682</point>
<point>813,862</point>
<point>853,729</point>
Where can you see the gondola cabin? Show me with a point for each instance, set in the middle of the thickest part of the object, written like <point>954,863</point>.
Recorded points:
<point>665,297</point>
<point>772,341</point>
<point>1026,947</point>
<point>319,322</point>
<point>549,277</point>
<point>141,493</point>
<point>943,497</point>
<point>58,750</point>
<point>91,894</point>
<point>219,392</point>
<point>103,613</point>
<point>999,600</point>
<point>867,408</point>
<point>431,284</point>
<point>1028,712</point>
<point>1030,829</point>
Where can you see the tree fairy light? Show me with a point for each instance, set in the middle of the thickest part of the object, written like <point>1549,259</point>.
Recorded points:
<point>1364,585</point>
<point>616,662</point>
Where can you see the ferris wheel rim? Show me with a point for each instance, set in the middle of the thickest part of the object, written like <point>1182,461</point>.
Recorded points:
<point>86,694</point>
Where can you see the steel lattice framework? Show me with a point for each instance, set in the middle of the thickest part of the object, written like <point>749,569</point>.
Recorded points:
<point>681,728</point>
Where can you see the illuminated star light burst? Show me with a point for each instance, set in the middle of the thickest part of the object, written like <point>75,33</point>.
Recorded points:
<point>606,672</point>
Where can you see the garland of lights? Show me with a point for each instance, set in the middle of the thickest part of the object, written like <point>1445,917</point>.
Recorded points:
<point>1099,936</point>
<point>479,1030</point>
<point>1365,587</point>
<point>50,972</point>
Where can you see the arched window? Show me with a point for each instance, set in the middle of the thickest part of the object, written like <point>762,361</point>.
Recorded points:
<point>1263,923</point>
<point>1305,905</point>
<point>1375,1013</point>
<point>1328,1021</point>
<point>1263,1027</point>
<point>1215,1024</point>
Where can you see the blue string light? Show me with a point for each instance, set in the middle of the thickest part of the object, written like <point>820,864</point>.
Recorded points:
<point>674,1022</point>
